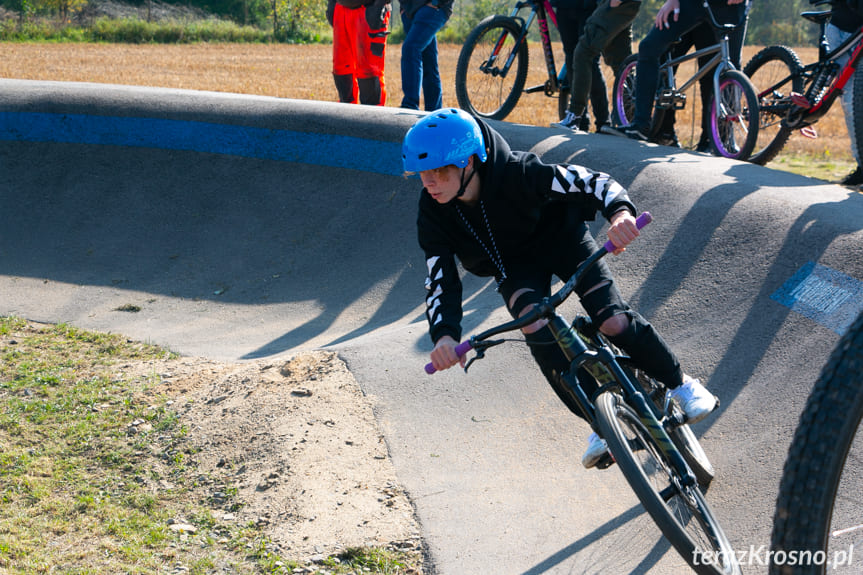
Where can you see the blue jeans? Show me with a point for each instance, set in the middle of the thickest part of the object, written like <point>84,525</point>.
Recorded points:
<point>658,41</point>
<point>835,36</point>
<point>419,59</point>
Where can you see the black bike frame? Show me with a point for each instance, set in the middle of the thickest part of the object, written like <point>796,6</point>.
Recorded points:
<point>594,361</point>
<point>540,10</point>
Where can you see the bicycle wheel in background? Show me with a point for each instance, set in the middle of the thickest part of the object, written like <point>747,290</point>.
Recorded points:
<point>767,68</point>
<point>819,510</point>
<point>734,119</point>
<point>623,92</point>
<point>681,513</point>
<point>492,68</point>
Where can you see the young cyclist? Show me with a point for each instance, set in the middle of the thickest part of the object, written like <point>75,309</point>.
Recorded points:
<point>506,214</point>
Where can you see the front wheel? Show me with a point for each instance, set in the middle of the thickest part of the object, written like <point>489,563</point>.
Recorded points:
<point>775,73</point>
<point>734,116</point>
<point>623,93</point>
<point>492,68</point>
<point>680,511</point>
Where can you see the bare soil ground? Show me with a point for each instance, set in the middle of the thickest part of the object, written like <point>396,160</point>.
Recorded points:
<point>299,443</point>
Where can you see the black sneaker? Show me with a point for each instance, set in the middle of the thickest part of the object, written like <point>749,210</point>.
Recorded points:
<point>667,140</point>
<point>569,122</point>
<point>633,133</point>
<point>855,178</point>
<point>705,146</point>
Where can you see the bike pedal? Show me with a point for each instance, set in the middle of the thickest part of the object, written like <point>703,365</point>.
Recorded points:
<point>809,132</point>
<point>800,101</point>
<point>605,461</point>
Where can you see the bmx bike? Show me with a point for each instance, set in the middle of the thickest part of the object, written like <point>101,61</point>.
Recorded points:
<point>646,432</point>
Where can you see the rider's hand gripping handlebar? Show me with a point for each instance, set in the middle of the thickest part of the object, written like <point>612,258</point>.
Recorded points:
<point>465,346</point>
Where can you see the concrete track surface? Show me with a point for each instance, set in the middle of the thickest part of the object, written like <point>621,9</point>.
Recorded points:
<point>245,227</point>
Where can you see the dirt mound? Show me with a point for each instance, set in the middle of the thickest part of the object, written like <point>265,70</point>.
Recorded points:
<point>296,449</point>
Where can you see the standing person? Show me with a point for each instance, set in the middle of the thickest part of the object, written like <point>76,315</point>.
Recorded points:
<point>608,31</point>
<point>422,20</point>
<point>675,18</point>
<point>359,46</point>
<point>846,20</point>
<point>506,214</point>
<point>571,17</point>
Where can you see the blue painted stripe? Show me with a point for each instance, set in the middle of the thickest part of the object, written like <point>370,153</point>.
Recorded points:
<point>282,145</point>
<point>824,295</point>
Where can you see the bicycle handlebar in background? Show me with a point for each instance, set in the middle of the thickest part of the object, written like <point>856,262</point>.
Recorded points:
<point>465,346</point>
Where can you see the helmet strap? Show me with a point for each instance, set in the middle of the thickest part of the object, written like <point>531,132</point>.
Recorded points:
<point>464,183</point>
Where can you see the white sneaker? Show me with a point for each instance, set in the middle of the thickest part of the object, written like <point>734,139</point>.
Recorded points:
<point>694,399</point>
<point>596,449</point>
<point>570,122</point>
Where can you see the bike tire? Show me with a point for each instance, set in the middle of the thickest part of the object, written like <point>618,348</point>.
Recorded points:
<point>682,436</point>
<point>623,93</point>
<point>769,66</point>
<point>822,473</point>
<point>735,135</point>
<point>487,92</point>
<point>680,512</point>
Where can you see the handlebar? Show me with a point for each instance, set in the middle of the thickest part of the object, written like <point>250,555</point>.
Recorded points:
<point>547,307</point>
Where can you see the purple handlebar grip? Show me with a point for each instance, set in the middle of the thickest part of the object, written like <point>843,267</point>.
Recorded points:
<point>641,221</point>
<point>460,350</point>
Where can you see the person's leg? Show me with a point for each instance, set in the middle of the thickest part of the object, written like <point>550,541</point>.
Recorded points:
<point>432,86</point>
<point>650,51</point>
<point>835,37</point>
<point>419,50</point>
<point>371,50</point>
<point>603,25</point>
<point>344,55</point>
<point>598,95</point>
<point>520,292</point>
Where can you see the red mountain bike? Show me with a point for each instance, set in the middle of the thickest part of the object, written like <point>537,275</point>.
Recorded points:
<point>794,97</point>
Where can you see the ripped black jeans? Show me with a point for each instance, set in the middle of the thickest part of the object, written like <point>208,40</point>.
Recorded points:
<point>529,280</point>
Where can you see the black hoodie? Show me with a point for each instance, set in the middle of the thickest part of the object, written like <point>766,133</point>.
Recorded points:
<point>524,201</point>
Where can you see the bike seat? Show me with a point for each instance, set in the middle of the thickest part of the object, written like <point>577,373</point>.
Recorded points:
<point>817,17</point>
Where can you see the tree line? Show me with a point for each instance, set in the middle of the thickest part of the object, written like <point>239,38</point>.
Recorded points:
<point>770,21</point>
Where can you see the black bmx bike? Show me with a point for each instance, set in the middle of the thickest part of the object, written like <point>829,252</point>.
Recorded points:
<point>792,96</point>
<point>733,105</point>
<point>818,525</point>
<point>646,433</point>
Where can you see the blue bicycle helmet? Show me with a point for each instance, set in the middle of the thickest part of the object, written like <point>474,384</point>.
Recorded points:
<point>444,137</point>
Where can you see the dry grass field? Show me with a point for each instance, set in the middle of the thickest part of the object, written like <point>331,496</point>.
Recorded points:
<point>303,72</point>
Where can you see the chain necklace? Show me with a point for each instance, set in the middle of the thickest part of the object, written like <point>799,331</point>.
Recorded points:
<point>493,253</point>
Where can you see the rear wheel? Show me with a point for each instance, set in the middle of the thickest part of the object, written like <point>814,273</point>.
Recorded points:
<point>492,68</point>
<point>734,117</point>
<point>774,74</point>
<point>680,511</point>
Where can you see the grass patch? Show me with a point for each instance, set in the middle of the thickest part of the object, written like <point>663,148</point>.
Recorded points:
<point>95,475</point>
<point>823,166</point>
